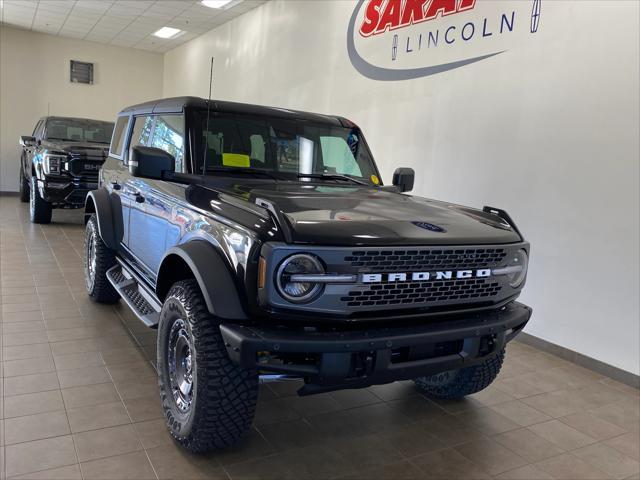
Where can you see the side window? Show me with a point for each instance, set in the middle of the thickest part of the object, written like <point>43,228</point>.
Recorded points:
<point>119,134</point>
<point>37,132</point>
<point>141,133</point>
<point>337,157</point>
<point>257,149</point>
<point>168,135</point>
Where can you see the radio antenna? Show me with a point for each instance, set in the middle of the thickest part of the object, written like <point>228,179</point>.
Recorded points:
<point>206,141</point>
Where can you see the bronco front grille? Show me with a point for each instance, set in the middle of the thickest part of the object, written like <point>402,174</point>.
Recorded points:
<point>423,292</point>
<point>425,260</point>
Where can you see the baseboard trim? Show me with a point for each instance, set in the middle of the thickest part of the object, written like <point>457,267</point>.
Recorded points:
<point>592,364</point>
<point>9,194</point>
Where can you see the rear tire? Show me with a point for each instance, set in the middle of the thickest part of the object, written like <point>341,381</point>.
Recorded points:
<point>208,401</point>
<point>24,187</point>
<point>98,258</point>
<point>39,209</point>
<point>460,383</point>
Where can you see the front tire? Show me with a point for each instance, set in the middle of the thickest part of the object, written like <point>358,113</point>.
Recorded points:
<point>24,187</point>
<point>98,258</point>
<point>455,384</point>
<point>39,209</point>
<point>208,401</point>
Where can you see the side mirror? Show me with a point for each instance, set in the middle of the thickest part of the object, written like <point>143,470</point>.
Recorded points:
<point>403,178</point>
<point>150,162</point>
<point>27,141</point>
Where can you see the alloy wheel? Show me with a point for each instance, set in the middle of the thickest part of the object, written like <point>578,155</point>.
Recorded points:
<point>181,367</point>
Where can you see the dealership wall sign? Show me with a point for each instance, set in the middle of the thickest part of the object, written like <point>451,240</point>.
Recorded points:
<point>405,39</point>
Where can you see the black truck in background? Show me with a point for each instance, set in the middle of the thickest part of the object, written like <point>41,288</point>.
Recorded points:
<point>60,162</point>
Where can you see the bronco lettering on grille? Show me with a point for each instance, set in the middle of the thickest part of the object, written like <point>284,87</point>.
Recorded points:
<point>424,276</point>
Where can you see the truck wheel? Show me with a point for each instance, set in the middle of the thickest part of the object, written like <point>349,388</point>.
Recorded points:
<point>24,187</point>
<point>98,258</point>
<point>39,209</point>
<point>460,383</point>
<point>208,401</point>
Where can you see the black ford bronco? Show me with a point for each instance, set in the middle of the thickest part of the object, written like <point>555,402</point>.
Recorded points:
<point>262,241</point>
<point>59,163</point>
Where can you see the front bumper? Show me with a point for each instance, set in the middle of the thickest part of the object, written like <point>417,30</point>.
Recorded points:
<point>66,192</point>
<point>336,360</point>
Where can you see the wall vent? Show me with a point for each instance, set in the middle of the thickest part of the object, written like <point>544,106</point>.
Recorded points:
<point>81,72</point>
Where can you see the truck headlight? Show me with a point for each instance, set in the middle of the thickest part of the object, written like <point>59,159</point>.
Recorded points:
<point>517,267</point>
<point>296,291</point>
<point>52,163</point>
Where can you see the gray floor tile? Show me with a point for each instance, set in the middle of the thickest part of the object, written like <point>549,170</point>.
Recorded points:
<point>123,467</point>
<point>97,416</point>
<point>608,460</point>
<point>35,427</point>
<point>33,403</point>
<point>106,442</point>
<point>39,455</point>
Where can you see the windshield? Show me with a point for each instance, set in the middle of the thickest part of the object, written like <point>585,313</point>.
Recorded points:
<point>78,130</point>
<point>282,148</point>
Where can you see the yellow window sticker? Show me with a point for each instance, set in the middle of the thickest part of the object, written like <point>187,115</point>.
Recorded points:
<point>235,160</point>
<point>375,180</point>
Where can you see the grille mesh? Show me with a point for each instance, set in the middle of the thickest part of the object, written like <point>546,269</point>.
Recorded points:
<point>425,260</point>
<point>424,292</point>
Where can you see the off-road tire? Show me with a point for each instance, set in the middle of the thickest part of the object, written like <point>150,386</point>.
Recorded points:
<point>39,209</point>
<point>99,288</point>
<point>460,383</point>
<point>24,187</point>
<point>224,396</point>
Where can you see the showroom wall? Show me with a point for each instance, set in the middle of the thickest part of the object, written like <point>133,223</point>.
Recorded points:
<point>122,77</point>
<point>548,130</point>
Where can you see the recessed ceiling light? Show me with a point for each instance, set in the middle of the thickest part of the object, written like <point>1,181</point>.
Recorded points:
<point>216,3</point>
<point>168,32</point>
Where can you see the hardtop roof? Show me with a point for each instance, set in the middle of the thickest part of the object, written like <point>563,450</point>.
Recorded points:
<point>179,104</point>
<point>58,117</point>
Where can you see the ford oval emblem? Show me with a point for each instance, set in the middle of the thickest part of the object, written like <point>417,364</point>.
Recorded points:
<point>429,226</point>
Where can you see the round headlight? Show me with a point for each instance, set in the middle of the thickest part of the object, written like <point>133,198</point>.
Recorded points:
<point>299,264</point>
<point>519,261</point>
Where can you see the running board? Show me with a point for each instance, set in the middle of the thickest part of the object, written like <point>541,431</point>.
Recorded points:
<point>137,296</point>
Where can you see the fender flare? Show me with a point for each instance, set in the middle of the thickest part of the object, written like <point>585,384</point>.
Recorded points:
<point>210,271</point>
<point>108,210</point>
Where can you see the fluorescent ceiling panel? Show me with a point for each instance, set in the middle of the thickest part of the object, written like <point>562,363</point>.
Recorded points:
<point>168,32</point>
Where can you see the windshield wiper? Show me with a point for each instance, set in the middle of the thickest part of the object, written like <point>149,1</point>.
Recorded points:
<point>332,176</point>
<point>246,171</point>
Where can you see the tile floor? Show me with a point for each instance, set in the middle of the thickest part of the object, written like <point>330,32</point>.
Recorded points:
<point>78,400</point>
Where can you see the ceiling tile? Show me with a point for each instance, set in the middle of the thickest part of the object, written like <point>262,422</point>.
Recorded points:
<point>8,8</point>
<point>129,23</point>
<point>20,3</point>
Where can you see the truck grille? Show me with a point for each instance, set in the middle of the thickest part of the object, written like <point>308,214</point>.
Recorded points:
<point>423,292</point>
<point>425,260</point>
<point>407,278</point>
<point>86,163</point>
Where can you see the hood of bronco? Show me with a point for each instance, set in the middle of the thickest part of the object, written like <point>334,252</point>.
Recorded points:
<point>354,215</point>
